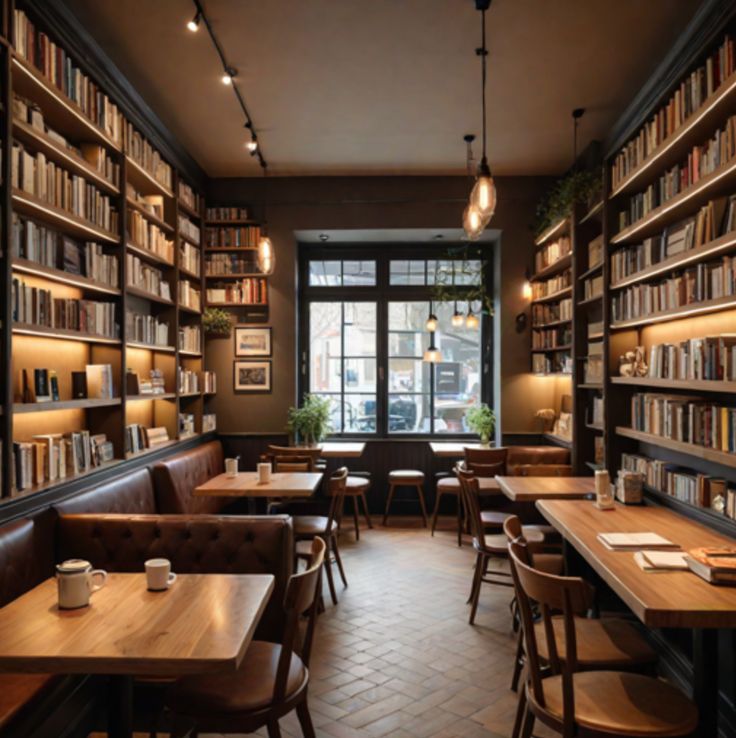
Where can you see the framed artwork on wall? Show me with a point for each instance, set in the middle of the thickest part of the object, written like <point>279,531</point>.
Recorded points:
<point>252,376</point>
<point>252,341</point>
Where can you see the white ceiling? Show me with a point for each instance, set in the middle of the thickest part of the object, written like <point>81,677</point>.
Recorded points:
<point>386,86</point>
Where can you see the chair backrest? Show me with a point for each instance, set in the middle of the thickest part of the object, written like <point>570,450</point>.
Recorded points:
<point>293,464</point>
<point>469,491</point>
<point>545,470</point>
<point>486,462</point>
<point>312,452</point>
<point>302,597</point>
<point>336,487</point>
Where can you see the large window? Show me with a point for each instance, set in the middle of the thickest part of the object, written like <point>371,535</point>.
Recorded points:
<point>364,335</point>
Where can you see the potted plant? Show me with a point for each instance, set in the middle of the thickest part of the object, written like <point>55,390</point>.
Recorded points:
<point>310,423</point>
<point>216,322</point>
<point>481,420</point>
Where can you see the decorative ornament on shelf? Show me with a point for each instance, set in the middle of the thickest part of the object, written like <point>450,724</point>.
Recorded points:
<point>216,322</point>
<point>481,420</point>
<point>547,415</point>
<point>633,363</point>
<point>310,423</point>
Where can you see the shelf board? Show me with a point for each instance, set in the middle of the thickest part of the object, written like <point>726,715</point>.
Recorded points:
<point>189,239</point>
<point>596,210</point>
<point>239,304</point>
<point>67,479</point>
<point>151,347</point>
<point>28,329</point>
<point>720,245</point>
<point>223,249</point>
<point>149,216</point>
<point>190,354</point>
<point>148,255</point>
<point>60,111</point>
<point>556,229</point>
<point>144,181</point>
<point>558,266</point>
<point>686,202</point>
<point>701,452</point>
<point>552,350</point>
<point>236,222</point>
<point>557,440</point>
<point>191,310</point>
<point>242,275</point>
<point>684,311</point>
<point>593,466</point>
<point>554,324</point>
<point>595,427</point>
<point>590,386</point>
<point>150,296</point>
<point>190,211</point>
<point>151,397</point>
<point>590,272</point>
<point>31,205</point>
<point>186,272</point>
<point>189,395</point>
<point>590,300</point>
<point>209,394</point>
<point>44,407</point>
<point>58,275</point>
<point>559,295</point>
<point>676,146</point>
<point>146,451</point>
<point>54,151</point>
<point>701,385</point>
<point>595,336</point>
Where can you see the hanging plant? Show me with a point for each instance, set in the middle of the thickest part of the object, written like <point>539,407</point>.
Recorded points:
<point>577,187</point>
<point>217,322</point>
<point>473,288</point>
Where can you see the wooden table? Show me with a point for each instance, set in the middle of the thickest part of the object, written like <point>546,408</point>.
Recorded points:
<point>342,450</point>
<point>531,489</point>
<point>246,484</point>
<point>660,600</point>
<point>452,449</point>
<point>202,624</point>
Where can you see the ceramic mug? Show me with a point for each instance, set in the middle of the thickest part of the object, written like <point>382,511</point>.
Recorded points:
<point>231,467</point>
<point>264,473</point>
<point>159,575</point>
<point>75,582</point>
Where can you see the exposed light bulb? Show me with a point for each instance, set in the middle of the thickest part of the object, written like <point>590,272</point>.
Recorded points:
<point>483,195</point>
<point>266,255</point>
<point>458,319</point>
<point>193,25</point>
<point>431,324</point>
<point>471,321</point>
<point>252,146</point>
<point>473,223</point>
<point>526,290</point>
<point>432,355</point>
<point>227,79</point>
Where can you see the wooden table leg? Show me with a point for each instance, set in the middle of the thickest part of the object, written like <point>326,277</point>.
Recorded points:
<point>120,707</point>
<point>705,679</point>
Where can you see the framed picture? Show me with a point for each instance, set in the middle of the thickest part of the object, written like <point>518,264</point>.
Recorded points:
<point>252,376</point>
<point>252,341</point>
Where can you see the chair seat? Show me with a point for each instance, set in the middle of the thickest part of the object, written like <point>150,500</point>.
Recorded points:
<point>497,543</point>
<point>493,518</point>
<point>249,689</point>
<point>608,643</point>
<point>448,486</point>
<point>550,533</point>
<point>311,525</point>
<point>406,476</point>
<point>623,704</point>
<point>356,485</point>
<point>18,691</point>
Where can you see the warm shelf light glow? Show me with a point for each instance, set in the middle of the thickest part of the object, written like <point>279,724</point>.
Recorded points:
<point>526,290</point>
<point>266,255</point>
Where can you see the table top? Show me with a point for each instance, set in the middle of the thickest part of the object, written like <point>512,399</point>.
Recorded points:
<point>451,449</point>
<point>202,624</point>
<point>246,484</point>
<point>677,599</point>
<point>342,449</point>
<point>530,489</point>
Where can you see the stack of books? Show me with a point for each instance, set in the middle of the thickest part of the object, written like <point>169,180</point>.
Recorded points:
<point>708,358</point>
<point>227,213</point>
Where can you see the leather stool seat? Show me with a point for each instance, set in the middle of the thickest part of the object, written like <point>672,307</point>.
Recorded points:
<point>449,485</point>
<point>308,526</point>
<point>406,476</point>
<point>356,485</point>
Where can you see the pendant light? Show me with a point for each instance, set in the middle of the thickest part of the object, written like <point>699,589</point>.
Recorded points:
<point>266,255</point>
<point>432,355</point>
<point>471,321</point>
<point>458,319</point>
<point>431,324</point>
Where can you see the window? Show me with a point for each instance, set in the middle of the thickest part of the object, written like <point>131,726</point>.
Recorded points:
<point>363,334</point>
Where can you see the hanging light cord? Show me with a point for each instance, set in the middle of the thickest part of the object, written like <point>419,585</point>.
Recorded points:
<point>483,54</point>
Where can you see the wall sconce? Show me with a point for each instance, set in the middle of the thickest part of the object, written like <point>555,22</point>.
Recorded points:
<point>526,288</point>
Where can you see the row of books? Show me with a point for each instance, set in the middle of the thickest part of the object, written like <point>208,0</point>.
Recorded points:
<point>190,338</point>
<point>551,312</point>
<point>710,358</point>
<point>695,488</point>
<point>555,363</point>
<point>144,277</point>
<point>146,329</point>
<point>711,281</point>
<point>188,229</point>
<point>552,252</point>
<point>715,219</point>
<point>54,185</point>
<point>551,337</point>
<point>146,235</point>
<point>246,291</point>
<point>188,196</point>
<point>593,287</point>
<point>686,419</point>
<point>692,92</point>
<point>47,247</point>
<point>245,237</point>
<point>138,148</point>
<point>36,306</point>
<point>152,204</point>
<point>702,161</point>
<point>223,264</point>
<point>54,63</point>
<point>48,457</point>
<point>189,257</point>
<point>550,286</point>
<point>189,295</point>
<point>153,384</point>
<point>191,382</point>
<point>138,438</point>
<point>225,213</point>
<point>94,155</point>
<point>595,252</point>
<point>597,416</point>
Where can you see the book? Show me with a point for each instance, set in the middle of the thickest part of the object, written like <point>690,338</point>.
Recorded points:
<point>99,381</point>
<point>633,541</point>
<point>41,385</point>
<point>659,561</point>
<point>715,564</point>
<point>79,385</point>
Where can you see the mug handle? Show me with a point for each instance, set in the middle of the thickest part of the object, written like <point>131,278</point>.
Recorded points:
<point>171,579</point>
<point>97,573</point>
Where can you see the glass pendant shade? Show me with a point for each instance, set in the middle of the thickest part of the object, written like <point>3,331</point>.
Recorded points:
<point>473,223</point>
<point>432,355</point>
<point>472,320</point>
<point>266,255</point>
<point>458,319</point>
<point>431,324</point>
<point>483,196</point>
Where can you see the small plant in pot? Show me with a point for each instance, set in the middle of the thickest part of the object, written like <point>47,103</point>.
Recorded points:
<point>216,322</point>
<point>310,423</point>
<point>481,420</point>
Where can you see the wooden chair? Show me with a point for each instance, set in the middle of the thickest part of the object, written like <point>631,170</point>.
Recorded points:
<point>449,486</point>
<point>488,547</point>
<point>488,463</point>
<point>318,464</point>
<point>356,488</point>
<point>309,527</point>
<point>577,703</point>
<point>272,679</point>
<point>293,464</point>
<point>405,478</point>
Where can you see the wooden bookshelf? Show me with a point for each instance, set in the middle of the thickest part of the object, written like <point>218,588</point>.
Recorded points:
<point>553,349</point>
<point>149,216</point>
<point>24,266</point>
<point>684,311</point>
<point>29,329</point>
<point>699,385</point>
<point>557,229</point>
<point>150,296</point>
<point>559,295</point>
<point>555,268</point>
<point>147,255</point>
<point>45,407</point>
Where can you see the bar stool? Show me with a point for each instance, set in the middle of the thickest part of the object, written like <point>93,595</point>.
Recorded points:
<point>406,478</point>
<point>355,488</point>
<point>449,486</point>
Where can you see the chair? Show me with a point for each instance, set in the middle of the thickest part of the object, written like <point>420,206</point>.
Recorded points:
<point>489,463</point>
<point>355,488</point>
<point>405,478</point>
<point>309,527</point>
<point>272,679</point>
<point>318,464</point>
<point>581,703</point>
<point>449,486</point>
<point>293,464</point>
<point>488,547</point>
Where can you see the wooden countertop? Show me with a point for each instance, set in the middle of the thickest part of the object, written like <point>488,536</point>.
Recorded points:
<point>246,484</point>
<point>342,449</point>
<point>530,489</point>
<point>451,449</point>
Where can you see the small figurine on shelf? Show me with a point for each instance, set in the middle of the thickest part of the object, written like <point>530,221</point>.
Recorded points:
<point>633,363</point>
<point>547,415</point>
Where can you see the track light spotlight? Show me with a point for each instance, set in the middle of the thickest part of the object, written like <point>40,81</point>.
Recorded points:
<point>193,25</point>
<point>252,146</point>
<point>229,76</point>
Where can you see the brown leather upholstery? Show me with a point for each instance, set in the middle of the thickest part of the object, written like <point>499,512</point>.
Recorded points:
<point>176,477</point>
<point>20,692</point>
<point>193,544</point>
<point>520,455</point>
<point>132,494</point>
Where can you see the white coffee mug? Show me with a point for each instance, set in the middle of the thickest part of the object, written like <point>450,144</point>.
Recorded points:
<point>75,582</point>
<point>231,467</point>
<point>264,473</point>
<point>159,575</point>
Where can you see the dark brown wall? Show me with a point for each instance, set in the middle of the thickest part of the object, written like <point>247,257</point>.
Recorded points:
<point>325,203</point>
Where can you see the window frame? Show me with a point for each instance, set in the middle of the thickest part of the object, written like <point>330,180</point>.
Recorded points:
<point>383,293</point>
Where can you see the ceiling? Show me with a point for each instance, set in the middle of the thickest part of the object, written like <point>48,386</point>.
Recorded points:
<point>386,86</point>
